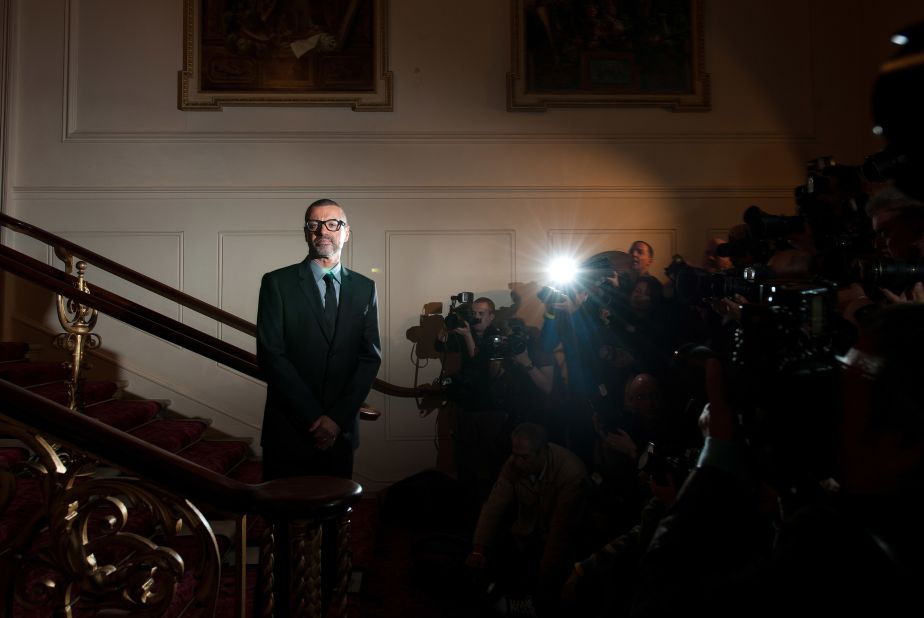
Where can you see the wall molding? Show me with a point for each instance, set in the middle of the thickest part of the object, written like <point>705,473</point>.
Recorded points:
<point>100,193</point>
<point>424,137</point>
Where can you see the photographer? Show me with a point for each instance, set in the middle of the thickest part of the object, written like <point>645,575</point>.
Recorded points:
<point>479,418</point>
<point>895,273</point>
<point>471,326</point>
<point>524,374</point>
<point>856,550</point>
<point>573,323</point>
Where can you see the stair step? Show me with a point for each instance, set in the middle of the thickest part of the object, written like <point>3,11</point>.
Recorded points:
<point>216,455</point>
<point>171,434</point>
<point>248,471</point>
<point>227,592</point>
<point>25,503</point>
<point>94,391</point>
<point>10,455</point>
<point>123,414</point>
<point>13,350</point>
<point>29,373</point>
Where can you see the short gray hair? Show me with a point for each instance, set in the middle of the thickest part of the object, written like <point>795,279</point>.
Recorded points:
<point>324,201</point>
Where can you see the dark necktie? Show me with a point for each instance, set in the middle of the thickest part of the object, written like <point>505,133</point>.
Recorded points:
<point>330,301</point>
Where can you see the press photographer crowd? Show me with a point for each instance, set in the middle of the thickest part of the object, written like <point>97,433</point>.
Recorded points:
<point>740,436</point>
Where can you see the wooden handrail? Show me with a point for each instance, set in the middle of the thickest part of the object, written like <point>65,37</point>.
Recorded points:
<point>317,497</point>
<point>129,312</point>
<point>123,272</point>
<point>146,319</point>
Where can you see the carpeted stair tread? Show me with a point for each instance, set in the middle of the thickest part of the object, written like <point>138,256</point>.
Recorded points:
<point>13,350</point>
<point>29,373</point>
<point>94,391</point>
<point>123,414</point>
<point>217,455</point>
<point>26,501</point>
<point>171,434</point>
<point>227,592</point>
<point>10,455</point>
<point>248,471</point>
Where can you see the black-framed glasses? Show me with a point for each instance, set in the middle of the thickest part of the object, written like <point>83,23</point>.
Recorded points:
<point>332,225</point>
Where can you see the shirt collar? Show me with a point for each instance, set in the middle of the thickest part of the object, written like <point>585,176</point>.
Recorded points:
<point>318,272</point>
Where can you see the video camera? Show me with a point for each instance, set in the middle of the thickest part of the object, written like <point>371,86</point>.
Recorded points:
<point>696,285</point>
<point>460,311</point>
<point>508,341</point>
<point>830,206</point>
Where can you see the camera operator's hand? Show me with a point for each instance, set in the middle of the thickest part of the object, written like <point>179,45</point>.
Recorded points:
<point>543,377</point>
<point>720,420</point>
<point>729,308</point>
<point>570,305</point>
<point>621,442</point>
<point>465,331</point>
<point>915,295</point>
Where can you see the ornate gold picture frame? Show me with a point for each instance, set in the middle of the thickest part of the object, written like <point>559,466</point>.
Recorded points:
<point>607,53</point>
<point>285,52</point>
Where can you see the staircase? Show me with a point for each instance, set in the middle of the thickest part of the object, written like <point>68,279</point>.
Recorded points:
<point>111,504</point>
<point>149,421</point>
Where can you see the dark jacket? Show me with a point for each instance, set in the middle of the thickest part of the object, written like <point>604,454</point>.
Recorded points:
<point>310,371</point>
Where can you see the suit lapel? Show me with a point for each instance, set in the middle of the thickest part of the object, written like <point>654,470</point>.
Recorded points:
<point>310,288</point>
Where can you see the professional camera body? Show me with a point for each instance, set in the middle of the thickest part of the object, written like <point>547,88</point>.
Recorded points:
<point>507,341</point>
<point>460,311</point>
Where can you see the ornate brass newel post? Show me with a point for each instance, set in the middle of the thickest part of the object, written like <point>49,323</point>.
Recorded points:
<point>78,321</point>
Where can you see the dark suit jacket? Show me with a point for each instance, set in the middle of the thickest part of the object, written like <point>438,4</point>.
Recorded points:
<point>310,371</point>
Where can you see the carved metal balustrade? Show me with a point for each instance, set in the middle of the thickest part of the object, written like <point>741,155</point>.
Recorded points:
<point>100,542</point>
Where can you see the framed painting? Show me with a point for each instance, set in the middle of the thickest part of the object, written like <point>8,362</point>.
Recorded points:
<point>619,53</point>
<point>285,52</point>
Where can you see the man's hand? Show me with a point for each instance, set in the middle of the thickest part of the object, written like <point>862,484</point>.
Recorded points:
<point>522,359</point>
<point>570,306</point>
<point>324,431</point>
<point>915,295</point>
<point>730,307</point>
<point>621,442</point>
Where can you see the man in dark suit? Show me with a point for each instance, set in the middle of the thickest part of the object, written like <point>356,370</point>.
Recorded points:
<point>318,347</point>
